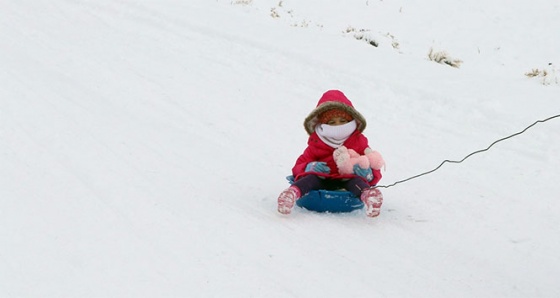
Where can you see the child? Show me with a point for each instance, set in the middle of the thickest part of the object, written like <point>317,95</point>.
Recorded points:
<point>335,125</point>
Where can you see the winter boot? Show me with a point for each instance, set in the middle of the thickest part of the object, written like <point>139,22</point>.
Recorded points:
<point>372,198</point>
<point>287,199</point>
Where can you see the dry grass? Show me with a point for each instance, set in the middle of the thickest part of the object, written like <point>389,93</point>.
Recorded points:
<point>443,57</point>
<point>548,75</point>
<point>242,2</point>
<point>362,34</point>
<point>273,13</point>
<point>535,72</point>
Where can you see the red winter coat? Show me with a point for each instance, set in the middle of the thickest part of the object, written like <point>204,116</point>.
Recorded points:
<point>317,150</point>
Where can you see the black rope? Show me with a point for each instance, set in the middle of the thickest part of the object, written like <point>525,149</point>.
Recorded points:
<point>471,154</point>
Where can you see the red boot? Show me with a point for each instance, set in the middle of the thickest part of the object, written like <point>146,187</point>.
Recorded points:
<point>287,199</point>
<point>372,198</point>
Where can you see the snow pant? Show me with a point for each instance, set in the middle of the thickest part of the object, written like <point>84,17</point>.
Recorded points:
<point>313,182</point>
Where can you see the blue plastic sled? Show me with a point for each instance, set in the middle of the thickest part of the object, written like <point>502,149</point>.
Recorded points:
<point>333,201</point>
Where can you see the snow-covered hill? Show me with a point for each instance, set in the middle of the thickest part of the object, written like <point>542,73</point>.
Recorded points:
<point>144,144</point>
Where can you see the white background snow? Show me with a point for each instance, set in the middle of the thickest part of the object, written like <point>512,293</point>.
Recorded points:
<point>143,145</point>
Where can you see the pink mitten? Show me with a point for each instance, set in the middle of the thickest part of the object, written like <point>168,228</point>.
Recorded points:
<point>360,160</point>
<point>342,159</point>
<point>376,161</point>
<point>345,160</point>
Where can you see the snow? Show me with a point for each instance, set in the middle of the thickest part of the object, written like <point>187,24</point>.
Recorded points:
<point>144,144</point>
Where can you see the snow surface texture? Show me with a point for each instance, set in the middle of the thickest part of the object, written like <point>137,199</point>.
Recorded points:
<point>144,144</point>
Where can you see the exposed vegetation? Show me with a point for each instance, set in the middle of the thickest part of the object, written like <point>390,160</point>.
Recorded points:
<point>443,57</point>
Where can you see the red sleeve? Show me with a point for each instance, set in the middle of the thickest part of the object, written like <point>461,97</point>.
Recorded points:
<point>302,162</point>
<point>376,177</point>
<point>358,142</point>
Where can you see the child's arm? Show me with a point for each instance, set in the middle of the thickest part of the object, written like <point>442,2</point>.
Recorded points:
<point>376,177</point>
<point>376,161</point>
<point>302,162</point>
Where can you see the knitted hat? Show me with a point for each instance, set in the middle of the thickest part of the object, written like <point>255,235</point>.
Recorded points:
<point>327,115</point>
<point>333,100</point>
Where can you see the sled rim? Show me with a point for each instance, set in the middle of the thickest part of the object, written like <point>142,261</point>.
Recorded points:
<point>331,201</point>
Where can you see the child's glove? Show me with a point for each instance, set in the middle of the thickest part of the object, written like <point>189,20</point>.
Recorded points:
<point>318,166</point>
<point>366,173</point>
<point>346,159</point>
<point>376,161</point>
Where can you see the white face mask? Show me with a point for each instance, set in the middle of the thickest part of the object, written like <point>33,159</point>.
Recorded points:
<point>335,135</point>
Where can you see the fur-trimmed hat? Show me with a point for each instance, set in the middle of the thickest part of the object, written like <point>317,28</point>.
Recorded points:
<point>333,99</point>
<point>327,115</point>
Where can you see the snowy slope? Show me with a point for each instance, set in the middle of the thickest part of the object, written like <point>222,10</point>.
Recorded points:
<point>144,144</point>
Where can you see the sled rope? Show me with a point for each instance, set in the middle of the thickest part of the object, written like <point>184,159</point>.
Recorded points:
<point>471,154</point>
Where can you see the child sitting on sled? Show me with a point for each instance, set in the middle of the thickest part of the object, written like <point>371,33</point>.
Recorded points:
<point>334,128</point>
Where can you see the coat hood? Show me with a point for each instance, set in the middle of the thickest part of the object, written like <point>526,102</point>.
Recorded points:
<point>333,99</point>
